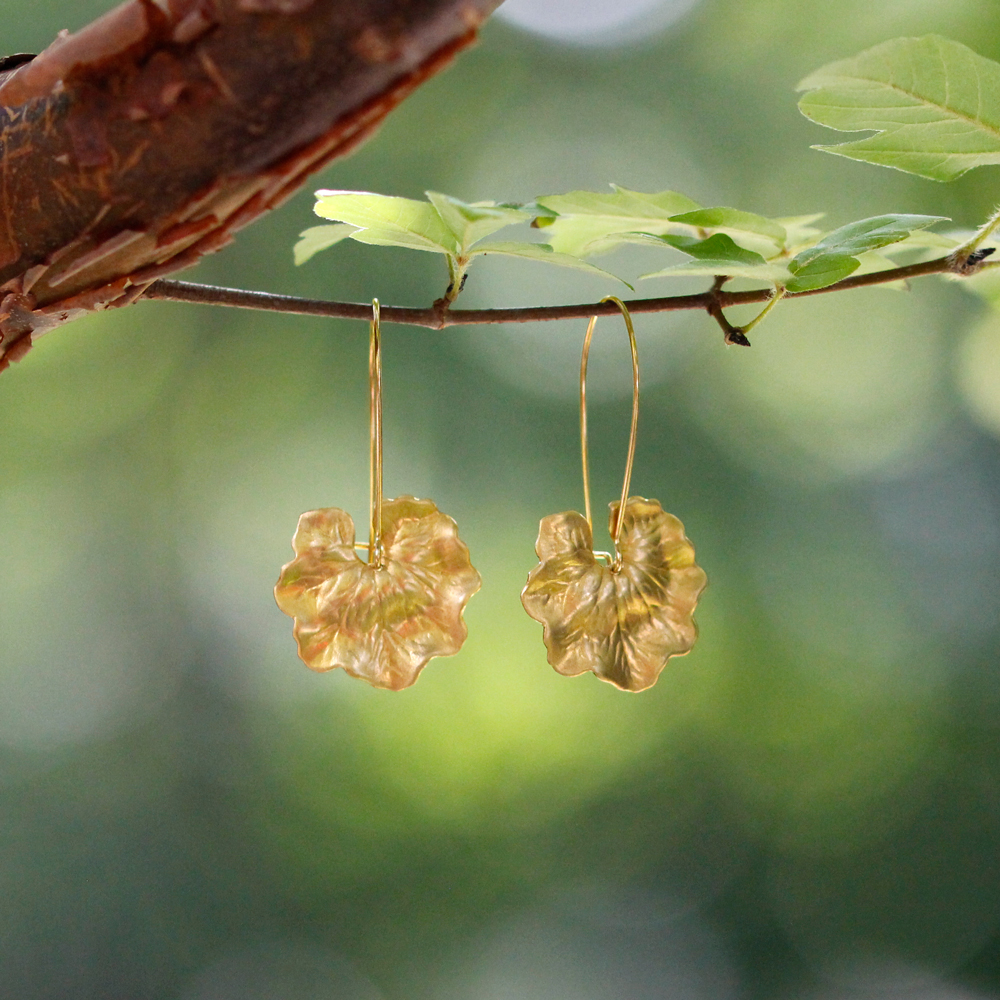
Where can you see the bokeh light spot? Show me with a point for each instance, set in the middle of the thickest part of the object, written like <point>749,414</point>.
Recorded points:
<point>594,22</point>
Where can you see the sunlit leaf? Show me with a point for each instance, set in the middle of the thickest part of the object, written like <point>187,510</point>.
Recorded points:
<point>471,223</point>
<point>317,238</point>
<point>588,221</point>
<point>934,104</point>
<point>736,223</point>
<point>619,203</point>
<point>383,220</point>
<point>718,254</point>
<point>544,253</point>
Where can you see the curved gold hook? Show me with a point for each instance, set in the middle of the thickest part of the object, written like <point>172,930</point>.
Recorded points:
<point>635,418</point>
<point>375,424</point>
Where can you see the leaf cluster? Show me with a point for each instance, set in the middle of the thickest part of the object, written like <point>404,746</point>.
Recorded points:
<point>932,105</point>
<point>790,252</point>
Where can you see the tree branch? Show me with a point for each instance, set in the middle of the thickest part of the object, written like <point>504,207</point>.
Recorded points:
<point>712,301</point>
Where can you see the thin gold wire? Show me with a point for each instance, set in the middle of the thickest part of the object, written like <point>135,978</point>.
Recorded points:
<point>375,424</point>
<point>583,420</point>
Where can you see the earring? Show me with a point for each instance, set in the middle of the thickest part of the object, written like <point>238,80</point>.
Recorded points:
<point>624,613</point>
<point>384,618</point>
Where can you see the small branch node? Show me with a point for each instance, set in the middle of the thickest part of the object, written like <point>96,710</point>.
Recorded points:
<point>967,264</point>
<point>731,334</point>
<point>439,311</point>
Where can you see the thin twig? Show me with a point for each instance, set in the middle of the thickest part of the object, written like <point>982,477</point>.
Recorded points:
<point>712,301</point>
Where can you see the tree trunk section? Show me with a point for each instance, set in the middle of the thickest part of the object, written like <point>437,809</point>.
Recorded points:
<point>148,138</point>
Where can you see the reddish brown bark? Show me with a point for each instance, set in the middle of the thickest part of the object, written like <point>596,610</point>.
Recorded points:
<point>133,147</point>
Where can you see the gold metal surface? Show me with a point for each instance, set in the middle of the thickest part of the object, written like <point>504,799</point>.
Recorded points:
<point>383,619</point>
<point>633,431</point>
<point>380,623</point>
<point>623,622</point>
<point>621,614</point>
<point>375,424</point>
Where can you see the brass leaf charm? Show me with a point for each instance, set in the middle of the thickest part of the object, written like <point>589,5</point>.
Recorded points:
<point>622,622</point>
<point>381,623</point>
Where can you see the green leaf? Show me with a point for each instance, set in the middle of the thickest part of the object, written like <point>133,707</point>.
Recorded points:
<point>471,223</point>
<point>719,254</point>
<point>867,234</point>
<point>717,247</point>
<point>836,255</point>
<point>620,203</point>
<point>387,221</point>
<point>771,273</point>
<point>588,221</point>
<point>544,253</point>
<point>736,223</point>
<point>934,104</point>
<point>823,271</point>
<point>317,238</point>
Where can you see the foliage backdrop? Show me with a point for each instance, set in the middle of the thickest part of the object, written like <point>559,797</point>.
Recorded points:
<point>806,806</point>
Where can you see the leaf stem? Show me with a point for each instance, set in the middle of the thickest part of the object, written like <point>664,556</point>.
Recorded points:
<point>968,257</point>
<point>778,294</point>
<point>457,272</point>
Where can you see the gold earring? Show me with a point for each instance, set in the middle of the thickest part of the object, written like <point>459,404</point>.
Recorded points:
<point>624,613</point>
<point>383,619</point>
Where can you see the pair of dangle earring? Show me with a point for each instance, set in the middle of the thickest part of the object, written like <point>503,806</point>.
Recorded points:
<point>621,614</point>
<point>380,619</point>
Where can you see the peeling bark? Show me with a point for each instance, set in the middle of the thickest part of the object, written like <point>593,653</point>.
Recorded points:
<point>144,141</point>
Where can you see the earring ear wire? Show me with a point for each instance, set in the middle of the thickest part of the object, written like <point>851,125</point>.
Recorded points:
<point>374,544</point>
<point>375,554</point>
<point>613,557</point>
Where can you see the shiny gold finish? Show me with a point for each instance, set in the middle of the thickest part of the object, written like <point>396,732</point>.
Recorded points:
<point>375,423</point>
<point>625,623</point>
<point>622,618</point>
<point>383,619</point>
<point>626,315</point>
<point>380,623</point>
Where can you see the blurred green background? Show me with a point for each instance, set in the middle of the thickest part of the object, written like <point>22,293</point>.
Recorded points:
<point>807,806</point>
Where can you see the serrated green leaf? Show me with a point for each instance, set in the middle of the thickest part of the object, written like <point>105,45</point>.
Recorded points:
<point>867,234</point>
<point>619,203</point>
<point>823,271</point>
<point>835,256</point>
<point>719,254</point>
<point>383,220</point>
<point>317,238</point>
<point>470,223</point>
<point>544,253</point>
<point>588,221</point>
<point>934,104</point>
<point>716,247</point>
<point>737,224</point>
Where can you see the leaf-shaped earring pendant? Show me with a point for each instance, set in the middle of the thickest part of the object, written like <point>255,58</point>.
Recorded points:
<point>621,614</point>
<point>383,618</point>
